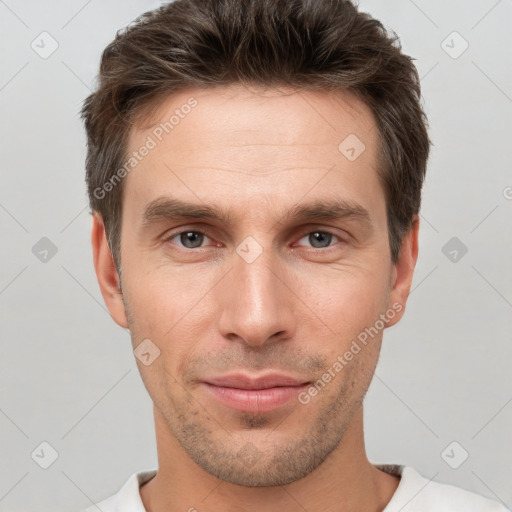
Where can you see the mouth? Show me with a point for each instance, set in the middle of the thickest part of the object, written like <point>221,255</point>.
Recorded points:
<point>254,394</point>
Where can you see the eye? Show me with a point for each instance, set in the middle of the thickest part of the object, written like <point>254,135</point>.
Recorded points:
<point>319,239</point>
<point>188,239</point>
<point>194,239</point>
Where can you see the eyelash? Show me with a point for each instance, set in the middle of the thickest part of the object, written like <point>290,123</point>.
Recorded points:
<point>201,232</point>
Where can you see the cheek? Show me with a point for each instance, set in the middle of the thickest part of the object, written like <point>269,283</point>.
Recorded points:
<point>174,311</point>
<point>345,299</point>
<point>162,298</point>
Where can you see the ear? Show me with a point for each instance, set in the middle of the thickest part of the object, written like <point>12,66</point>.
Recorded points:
<point>106,272</point>
<point>403,271</point>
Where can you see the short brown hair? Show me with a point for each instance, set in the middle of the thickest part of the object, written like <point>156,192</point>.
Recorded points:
<point>323,45</point>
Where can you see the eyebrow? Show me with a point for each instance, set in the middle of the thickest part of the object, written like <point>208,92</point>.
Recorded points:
<point>168,208</point>
<point>328,209</point>
<point>172,209</point>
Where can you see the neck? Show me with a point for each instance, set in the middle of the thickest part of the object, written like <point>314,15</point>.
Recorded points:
<point>346,481</point>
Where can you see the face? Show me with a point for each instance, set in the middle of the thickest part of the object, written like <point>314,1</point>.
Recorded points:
<point>255,256</point>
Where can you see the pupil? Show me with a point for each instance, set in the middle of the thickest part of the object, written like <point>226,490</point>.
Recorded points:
<point>191,239</point>
<point>318,237</point>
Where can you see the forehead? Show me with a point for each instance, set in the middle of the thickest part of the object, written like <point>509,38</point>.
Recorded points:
<point>255,144</point>
<point>256,115</point>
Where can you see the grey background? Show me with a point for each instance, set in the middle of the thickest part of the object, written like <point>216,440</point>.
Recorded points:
<point>67,373</point>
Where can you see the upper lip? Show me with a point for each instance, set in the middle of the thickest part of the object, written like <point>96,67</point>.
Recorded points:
<point>241,381</point>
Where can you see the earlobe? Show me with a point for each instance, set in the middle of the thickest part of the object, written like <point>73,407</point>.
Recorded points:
<point>106,272</point>
<point>403,272</point>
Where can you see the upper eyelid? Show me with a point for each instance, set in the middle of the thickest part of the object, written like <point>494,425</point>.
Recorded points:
<point>305,228</point>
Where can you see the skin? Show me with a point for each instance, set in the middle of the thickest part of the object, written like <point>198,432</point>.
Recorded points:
<point>256,154</point>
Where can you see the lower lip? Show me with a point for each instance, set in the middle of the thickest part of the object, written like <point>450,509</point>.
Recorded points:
<point>255,400</point>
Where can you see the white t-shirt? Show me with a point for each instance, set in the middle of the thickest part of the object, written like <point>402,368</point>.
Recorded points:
<point>414,494</point>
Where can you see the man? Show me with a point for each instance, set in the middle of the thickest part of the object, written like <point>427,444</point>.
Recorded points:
<point>255,170</point>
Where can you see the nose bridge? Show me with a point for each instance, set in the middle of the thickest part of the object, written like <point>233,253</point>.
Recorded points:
<point>257,303</point>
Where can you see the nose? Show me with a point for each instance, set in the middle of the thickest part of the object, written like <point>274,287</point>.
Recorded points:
<point>257,302</point>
